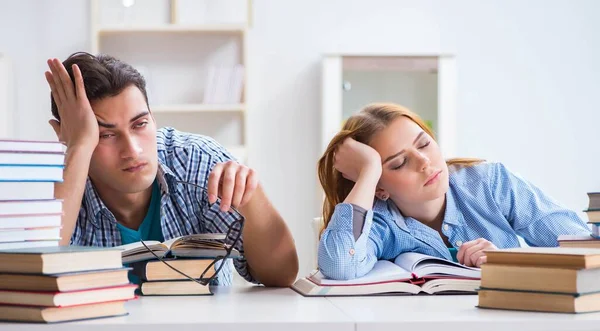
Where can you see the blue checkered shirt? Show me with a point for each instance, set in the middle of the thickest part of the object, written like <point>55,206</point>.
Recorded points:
<point>483,201</point>
<point>184,208</point>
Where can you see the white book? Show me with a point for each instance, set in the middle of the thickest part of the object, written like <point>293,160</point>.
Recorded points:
<point>29,234</point>
<point>26,190</point>
<point>29,207</point>
<point>29,244</point>
<point>31,173</point>
<point>30,146</point>
<point>209,87</point>
<point>30,221</point>
<point>32,158</point>
<point>238,84</point>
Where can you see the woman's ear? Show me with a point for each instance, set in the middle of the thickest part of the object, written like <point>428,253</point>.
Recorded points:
<point>381,194</point>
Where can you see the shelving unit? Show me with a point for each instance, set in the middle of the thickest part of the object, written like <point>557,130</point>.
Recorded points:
<point>185,59</point>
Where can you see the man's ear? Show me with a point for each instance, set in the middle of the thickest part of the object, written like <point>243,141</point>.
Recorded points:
<point>381,194</point>
<point>56,127</point>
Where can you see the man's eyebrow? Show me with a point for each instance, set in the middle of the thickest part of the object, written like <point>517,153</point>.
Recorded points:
<point>136,117</point>
<point>112,126</point>
<point>402,151</point>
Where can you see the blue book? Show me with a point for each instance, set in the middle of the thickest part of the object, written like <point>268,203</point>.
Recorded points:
<point>59,259</point>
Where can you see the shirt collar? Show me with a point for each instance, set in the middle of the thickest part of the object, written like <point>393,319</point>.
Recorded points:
<point>167,182</point>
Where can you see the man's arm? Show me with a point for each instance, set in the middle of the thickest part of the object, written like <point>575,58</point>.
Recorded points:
<point>268,243</point>
<point>78,129</point>
<point>77,163</point>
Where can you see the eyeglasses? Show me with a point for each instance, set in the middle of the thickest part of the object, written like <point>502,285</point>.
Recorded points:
<point>234,234</point>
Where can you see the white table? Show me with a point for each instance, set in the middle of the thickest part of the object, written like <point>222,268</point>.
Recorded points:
<point>448,313</point>
<point>263,309</point>
<point>238,308</point>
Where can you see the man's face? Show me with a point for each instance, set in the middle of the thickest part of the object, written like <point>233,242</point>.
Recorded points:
<point>125,159</point>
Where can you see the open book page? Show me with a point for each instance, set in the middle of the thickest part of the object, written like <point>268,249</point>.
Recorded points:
<point>383,271</point>
<point>200,245</point>
<point>423,265</point>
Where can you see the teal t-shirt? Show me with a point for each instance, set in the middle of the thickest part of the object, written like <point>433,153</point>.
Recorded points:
<point>150,228</point>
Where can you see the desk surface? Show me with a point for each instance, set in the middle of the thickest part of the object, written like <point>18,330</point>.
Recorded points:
<point>452,312</point>
<point>259,308</point>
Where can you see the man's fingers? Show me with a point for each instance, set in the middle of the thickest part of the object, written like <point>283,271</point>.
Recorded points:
<point>227,185</point>
<point>57,82</point>
<point>55,95</point>
<point>251,185</point>
<point>66,81</point>
<point>213,183</point>
<point>79,85</point>
<point>240,187</point>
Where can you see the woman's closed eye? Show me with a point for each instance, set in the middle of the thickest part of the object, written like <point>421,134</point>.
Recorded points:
<point>424,145</point>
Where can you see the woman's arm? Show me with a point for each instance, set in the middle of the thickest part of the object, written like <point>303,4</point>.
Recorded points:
<point>533,215</point>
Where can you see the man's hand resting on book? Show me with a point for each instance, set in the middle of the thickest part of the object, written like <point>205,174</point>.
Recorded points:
<point>234,183</point>
<point>472,253</point>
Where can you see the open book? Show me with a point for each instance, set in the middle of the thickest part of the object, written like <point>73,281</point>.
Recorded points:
<point>204,245</point>
<point>409,273</point>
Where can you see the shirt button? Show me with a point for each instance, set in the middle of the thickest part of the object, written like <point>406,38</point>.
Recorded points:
<point>458,243</point>
<point>446,227</point>
<point>351,251</point>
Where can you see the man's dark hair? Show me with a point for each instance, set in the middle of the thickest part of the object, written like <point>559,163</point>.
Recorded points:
<point>103,76</point>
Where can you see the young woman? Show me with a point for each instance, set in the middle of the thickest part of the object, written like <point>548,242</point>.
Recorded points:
<point>389,190</point>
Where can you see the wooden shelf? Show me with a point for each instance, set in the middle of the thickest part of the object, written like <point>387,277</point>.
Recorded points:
<point>196,108</point>
<point>174,28</point>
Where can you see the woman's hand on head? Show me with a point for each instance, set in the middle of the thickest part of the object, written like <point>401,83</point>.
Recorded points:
<point>472,252</point>
<point>353,158</point>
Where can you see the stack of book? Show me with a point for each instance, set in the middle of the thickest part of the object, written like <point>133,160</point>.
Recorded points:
<point>190,255</point>
<point>64,283</point>
<point>29,214</point>
<point>410,273</point>
<point>593,214</point>
<point>549,279</point>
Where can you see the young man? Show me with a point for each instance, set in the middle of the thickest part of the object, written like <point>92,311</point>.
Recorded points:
<point>124,180</point>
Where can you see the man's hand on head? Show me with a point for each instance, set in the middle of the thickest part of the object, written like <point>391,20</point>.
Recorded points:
<point>78,125</point>
<point>234,183</point>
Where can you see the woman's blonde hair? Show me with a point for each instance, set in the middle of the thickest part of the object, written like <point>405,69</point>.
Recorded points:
<point>362,127</point>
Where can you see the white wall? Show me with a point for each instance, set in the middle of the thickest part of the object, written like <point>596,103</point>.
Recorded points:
<point>526,91</point>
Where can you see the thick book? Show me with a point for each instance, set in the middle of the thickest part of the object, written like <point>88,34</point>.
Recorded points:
<point>410,273</point>
<point>539,301</point>
<point>593,215</point>
<point>541,279</point>
<point>565,257</point>
<point>60,259</point>
<point>65,282</point>
<point>28,173</point>
<point>578,241</point>
<point>32,158</point>
<point>30,207</point>
<point>174,287</point>
<point>62,314</point>
<point>204,245</point>
<point>65,299</point>
<point>30,221</point>
<point>153,270</point>
<point>26,190</point>
<point>594,198</point>
<point>8,145</point>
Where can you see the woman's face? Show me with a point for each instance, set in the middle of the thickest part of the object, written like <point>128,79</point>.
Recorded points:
<point>414,170</point>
